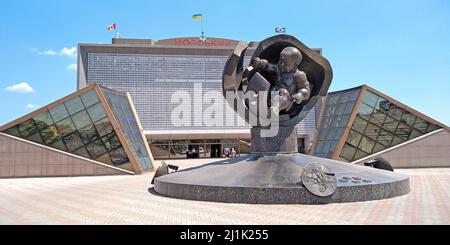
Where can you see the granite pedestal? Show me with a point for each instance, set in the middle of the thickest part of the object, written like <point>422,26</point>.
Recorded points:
<point>276,179</point>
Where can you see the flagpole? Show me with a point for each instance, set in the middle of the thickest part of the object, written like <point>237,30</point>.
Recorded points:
<point>201,26</point>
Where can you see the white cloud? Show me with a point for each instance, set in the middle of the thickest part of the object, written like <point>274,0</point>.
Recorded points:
<point>72,67</point>
<point>22,87</point>
<point>31,106</point>
<point>68,52</point>
<point>71,52</point>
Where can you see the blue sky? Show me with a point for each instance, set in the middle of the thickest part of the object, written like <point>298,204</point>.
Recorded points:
<point>401,48</point>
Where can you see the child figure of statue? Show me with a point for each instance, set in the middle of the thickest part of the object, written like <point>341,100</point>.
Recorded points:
<point>291,84</point>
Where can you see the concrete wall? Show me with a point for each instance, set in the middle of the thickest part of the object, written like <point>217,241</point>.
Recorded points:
<point>21,158</point>
<point>431,150</point>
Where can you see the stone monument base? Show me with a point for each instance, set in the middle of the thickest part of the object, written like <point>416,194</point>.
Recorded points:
<point>276,179</point>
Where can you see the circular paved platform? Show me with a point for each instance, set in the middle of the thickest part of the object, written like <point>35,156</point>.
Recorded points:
<point>276,179</point>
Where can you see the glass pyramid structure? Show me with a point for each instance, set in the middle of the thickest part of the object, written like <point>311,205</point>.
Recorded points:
<point>95,122</point>
<point>361,121</point>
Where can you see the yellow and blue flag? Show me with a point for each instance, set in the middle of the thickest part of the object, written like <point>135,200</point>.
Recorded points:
<point>197,16</point>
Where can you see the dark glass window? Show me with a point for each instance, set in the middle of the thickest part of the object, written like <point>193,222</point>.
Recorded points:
<point>89,98</point>
<point>88,134</point>
<point>395,112</point>
<point>65,127</point>
<point>81,119</point>
<point>432,127</point>
<point>50,134</point>
<point>403,131</point>
<point>111,141</point>
<point>59,145</point>
<point>378,118</point>
<point>13,131</point>
<point>365,111</point>
<point>408,119</point>
<point>360,154</point>
<point>421,125</point>
<point>414,134</point>
<point>96,112</point>
<point>59,112</point>
<point>73,141</point>
<point>359,124</point>
<point>378,148</point>
<point>385,138</point>
<point>43,120</point>
<point>27,128</point>
<point>35,138</point>
<point>105,159</point>
<point>370,99</point>
<point>118,156</point>
<point>372,131</point>
<point>96,149</point>
<point>82,152</point>
<point>104,127</point>
<point>348,152</point>
<point>366,144</point>
<point>354,138</point>
<point>390,124</point>
<point>74,105</point>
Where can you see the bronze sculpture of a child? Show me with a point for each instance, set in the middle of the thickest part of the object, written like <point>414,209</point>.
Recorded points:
<point>291,84</point>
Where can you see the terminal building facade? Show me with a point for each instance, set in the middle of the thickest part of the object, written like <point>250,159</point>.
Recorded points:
<point>153,71</point>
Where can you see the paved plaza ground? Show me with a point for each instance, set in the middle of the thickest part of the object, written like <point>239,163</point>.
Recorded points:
<point>127,200</point>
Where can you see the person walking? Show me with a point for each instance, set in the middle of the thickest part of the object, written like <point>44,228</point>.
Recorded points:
<point>227,152</point>
<point>233,152</point>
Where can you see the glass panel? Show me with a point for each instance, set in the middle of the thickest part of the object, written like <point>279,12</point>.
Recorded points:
<point>88,134</point>
<point>74,105</point>
<point>348,152</point>
<point>96,148</point>
<point>349,107</point>
<point>73,141</point>
<point>35,138</point>
<point>432,127</point>
<point>123,112</point>
<point>81,119</point>
<point>403,131</point>
<point>408,119</point>
<point>27,128</point>
<point>378,118</point>
<point>370,99</point>
<point>421,125</point>
<point>111,141</point>
<point>366,144</point>
<point>118,156</point>
<point>340,109</point>
<point>13,131</point>
<point>65,127</point>
<point>104,127</point>
<point>378,148</point>
<point>382,104</point>
<point>50,134</point>
<point>58,113</point>
<point>414,134</point>
<point>385,138</point>
<point>365,111</point>
<point>372,131</point>
<point>359,154</point>
<point>397,141</point>
<point>43,120</point>
<point>359,124</point>
<point>96,112</point>
<point>82,152</point>
<point>89,98</point>
<point>390,124</point>
<point>59,145</point>
<point>354,138</point>
<point>105,159</point>
<point>395,112</point>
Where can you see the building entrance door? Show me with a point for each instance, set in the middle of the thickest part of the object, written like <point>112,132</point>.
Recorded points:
<point>216,151</point>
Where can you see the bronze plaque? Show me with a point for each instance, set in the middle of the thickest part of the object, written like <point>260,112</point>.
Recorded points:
<point>319,180</point>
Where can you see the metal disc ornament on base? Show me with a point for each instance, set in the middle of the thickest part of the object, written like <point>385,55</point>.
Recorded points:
<point>319,180</point>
